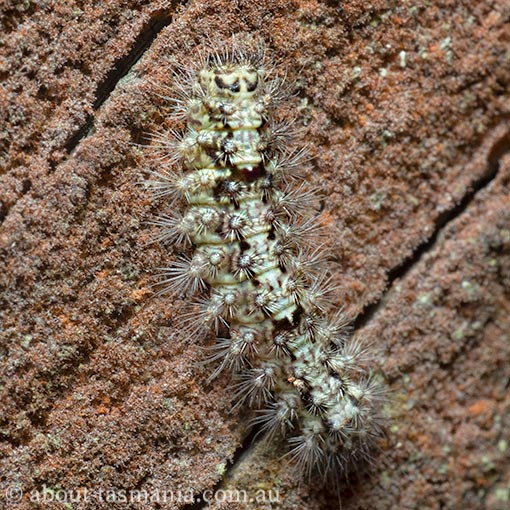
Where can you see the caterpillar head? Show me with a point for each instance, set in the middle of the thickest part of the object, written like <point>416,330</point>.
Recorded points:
<point>231,82</point>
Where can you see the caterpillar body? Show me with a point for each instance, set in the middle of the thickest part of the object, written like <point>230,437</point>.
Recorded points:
<point>255,264</point>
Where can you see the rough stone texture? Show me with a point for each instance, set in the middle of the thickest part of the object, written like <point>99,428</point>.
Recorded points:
<point>404,106</point>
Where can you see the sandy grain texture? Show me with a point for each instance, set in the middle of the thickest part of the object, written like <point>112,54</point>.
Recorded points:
<point>405,107</point>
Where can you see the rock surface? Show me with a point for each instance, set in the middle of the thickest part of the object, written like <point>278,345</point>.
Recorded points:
<point>405,108</point>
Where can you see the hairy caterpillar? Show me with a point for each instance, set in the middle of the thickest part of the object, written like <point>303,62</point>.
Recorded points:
<point>255,262</point>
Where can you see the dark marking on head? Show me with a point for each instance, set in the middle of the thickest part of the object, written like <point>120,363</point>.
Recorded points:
<point>222,84</point>
<point>252,85</point>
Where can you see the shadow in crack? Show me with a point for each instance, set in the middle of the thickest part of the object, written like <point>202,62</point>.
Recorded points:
<point>145,38</point>
<point>497,151</point>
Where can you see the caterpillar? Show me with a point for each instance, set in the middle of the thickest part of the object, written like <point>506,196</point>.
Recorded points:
<point>230,181</point>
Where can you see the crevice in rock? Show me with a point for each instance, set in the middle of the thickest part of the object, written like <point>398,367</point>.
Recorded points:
<point>498,150</point>
<point>158,22</point>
